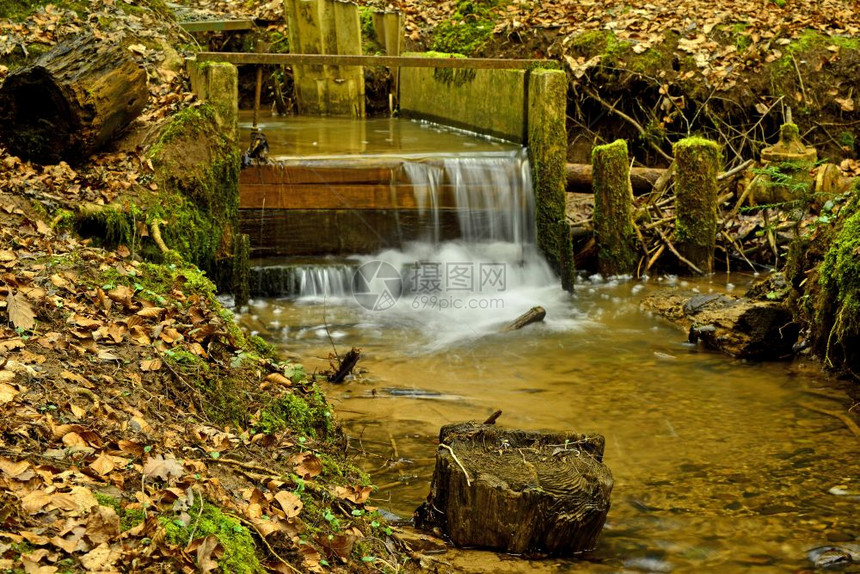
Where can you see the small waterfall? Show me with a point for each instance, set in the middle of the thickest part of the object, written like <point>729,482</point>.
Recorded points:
<point>490,192</point>
<point>303,280</point>
<point>488,196</point>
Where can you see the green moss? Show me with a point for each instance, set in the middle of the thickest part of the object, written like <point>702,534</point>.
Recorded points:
<point>613,224</point>
<point>239,549</point>
<point>109,501</point>
<point>698,162</point>
<point>263,347</point>
<point>131,517</point>
<point>308,415</point>
<point>468,30</point>
<point>838,317</point>
<point>20,9</point>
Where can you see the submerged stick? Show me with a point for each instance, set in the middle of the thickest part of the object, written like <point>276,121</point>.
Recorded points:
<point>852,426</point>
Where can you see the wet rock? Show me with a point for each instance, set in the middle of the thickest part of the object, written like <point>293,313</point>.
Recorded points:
<point>741,327</point>
<point>834,557</point>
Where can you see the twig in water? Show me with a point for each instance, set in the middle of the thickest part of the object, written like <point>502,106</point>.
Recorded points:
<point>680,257</point>
<point>460,464</point>
<point>852,426</point>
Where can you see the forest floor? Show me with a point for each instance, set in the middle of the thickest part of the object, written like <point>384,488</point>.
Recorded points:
<point>139,428</point>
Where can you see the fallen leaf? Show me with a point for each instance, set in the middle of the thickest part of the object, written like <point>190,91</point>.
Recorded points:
<point>307,465</point>
<point>20,311</point>
<point>356,494</point>
<point>209,551</point>
<point>103,464</point>
<point>150,365</point>
<point>100,559</point>
<point>7,392</point>
<point>163,467</point>
<point>290,503</point>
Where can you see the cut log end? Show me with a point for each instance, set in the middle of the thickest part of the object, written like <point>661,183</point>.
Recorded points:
<point>73,100</point>
<point>518,491</point>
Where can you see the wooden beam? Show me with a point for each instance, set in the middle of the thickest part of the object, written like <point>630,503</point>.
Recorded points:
<point>240,58</point>
<point>218,25</point>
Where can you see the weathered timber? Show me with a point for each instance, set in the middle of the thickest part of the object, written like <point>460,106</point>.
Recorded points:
<point>518,491</point>
<point>613,210</point>
<point>533,315</point>
<point>547,144</point>
<point>742,327</point>
<point>240,58</point>
<point>218,25</point>
<point>696,190</point>
<point>326,28</point>
<point>347,364</point>
<point>580,176</point>
<point>71,101</point>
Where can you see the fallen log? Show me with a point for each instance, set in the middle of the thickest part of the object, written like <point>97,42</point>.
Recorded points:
<point>71,101</point>
<point>518,491</point>
<point>533,315</point>
<point>580,175</point>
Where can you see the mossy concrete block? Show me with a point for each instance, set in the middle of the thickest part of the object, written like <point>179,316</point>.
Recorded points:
<point>698,163</point>
<point>490,102</point>
<point>218,84</point>
<point>613,198</point>
<point>547,143</point>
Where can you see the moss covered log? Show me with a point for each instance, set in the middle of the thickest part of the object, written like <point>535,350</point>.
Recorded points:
<point>698,163</point>
<point>613,198</point>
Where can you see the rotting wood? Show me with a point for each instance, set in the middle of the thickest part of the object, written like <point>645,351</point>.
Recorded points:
<point>533,315</point>
<point>71,101</point>
<point>580,176</point>
<point>240,58</point>
<point>518,491</point>
<point>347,364</point>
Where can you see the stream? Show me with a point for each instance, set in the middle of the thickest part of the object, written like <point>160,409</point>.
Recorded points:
<point>719,465</point>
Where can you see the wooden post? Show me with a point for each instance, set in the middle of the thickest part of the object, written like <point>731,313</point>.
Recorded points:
<point>261,47</point>
<point>547,144</point>
<point>326,27</point>
<point>698,163</point>
<point>613,198</point>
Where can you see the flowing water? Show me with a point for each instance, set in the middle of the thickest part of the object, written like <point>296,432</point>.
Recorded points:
<point>719,464</point>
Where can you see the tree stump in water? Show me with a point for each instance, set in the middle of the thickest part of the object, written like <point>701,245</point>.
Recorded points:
<point>518,491</point>
<point>71,101</point>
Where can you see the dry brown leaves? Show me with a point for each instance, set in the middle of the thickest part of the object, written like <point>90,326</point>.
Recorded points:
<point>89,409</point>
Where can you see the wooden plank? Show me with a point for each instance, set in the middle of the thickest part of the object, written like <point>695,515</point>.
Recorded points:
<point>315,174</point>
<point>218,25</point>
<point>240,58</point>
<point>342,196</point>
<point>324,196</point>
